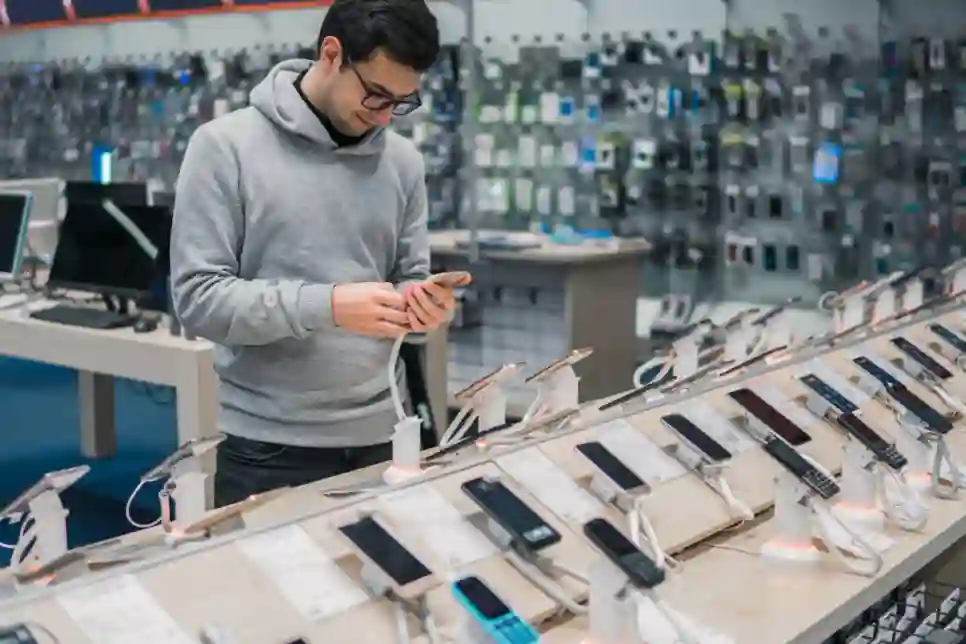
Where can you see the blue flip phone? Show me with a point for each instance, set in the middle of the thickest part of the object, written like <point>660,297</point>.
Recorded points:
<point>491,614</point>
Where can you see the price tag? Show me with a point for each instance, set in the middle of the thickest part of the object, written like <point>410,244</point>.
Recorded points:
<point>121,611</point>
<point>913,295</point>
<point>302,572</point>
<point>643,457</point>
<point>549,484</point>
<point>423,514</point>
<point>885,305</point>
<point>718,427</point>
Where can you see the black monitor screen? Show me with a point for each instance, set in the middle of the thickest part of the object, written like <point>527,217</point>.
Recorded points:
<point>99,251</point>
<point>14,221</point>
<point>122,194</point>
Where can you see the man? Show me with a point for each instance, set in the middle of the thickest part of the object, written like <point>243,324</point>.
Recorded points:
<point>300,248</point>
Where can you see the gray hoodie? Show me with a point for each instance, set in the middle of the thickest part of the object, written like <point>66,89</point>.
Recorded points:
<point>269,215</point>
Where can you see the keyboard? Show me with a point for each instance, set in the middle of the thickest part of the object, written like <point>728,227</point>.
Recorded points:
<point>90,318</point>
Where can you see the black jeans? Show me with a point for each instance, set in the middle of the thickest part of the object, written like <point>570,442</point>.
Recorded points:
<point>246,467</point>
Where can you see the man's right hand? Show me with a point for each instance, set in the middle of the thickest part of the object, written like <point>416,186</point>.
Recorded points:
<point>375,309</point>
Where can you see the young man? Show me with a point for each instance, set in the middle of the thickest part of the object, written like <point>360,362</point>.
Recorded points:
<point>300,248</point>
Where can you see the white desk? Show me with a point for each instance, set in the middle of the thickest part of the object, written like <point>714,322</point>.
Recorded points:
<point>100,356</point>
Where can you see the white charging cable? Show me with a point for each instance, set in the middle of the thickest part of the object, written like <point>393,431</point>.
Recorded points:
<point>869,562</point>
<point>901,502</point>
<point>12,521</point>
<point>461,424</point>
<point>397,400</point>
<point>681,630</point>
<point>642,531</point>
<point>948,399</point>
<point>941,455</point>
<point>403,636</point>
<point>129,506</point>
<point>539,578</point>
<point>28,534</point>
<point>737,508</point>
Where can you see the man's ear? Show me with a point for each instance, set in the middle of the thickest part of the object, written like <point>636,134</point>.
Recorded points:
<point>330,52</point>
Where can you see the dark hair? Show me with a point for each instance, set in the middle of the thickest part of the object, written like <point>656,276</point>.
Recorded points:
<point>404,30</point>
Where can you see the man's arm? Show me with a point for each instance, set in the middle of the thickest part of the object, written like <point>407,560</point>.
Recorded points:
<point>412,250</point>
<point>206,240</point>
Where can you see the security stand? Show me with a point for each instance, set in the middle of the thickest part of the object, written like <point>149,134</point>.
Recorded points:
<point>738,340</point>
<point>558,392</point>
<point>793,518</point>
<point>613,606</point>
<point>186,486</point>
<point>858,503</point>
<point>406,444</point>
<point>50,527</point>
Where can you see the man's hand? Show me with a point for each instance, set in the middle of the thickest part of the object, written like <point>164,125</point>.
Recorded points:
<point>429,305</point>
<point>370,308</point>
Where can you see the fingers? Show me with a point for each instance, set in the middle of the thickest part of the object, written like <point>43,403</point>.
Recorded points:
<point>437,292</point>
<point>390,298</point>
<point>395,316</point>
<point>388,330</point>
<point>415,324</point>
<point>421,305</point>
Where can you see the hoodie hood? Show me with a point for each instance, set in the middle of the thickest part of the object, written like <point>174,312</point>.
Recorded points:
<point>278,100</point>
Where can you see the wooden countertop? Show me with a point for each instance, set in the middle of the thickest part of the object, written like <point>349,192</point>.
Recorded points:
<point>447,243</point>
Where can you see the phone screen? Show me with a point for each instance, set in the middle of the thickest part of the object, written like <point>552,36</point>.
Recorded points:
<point>831,396</point>
<point>697,438</point>
<point>485,600</point>
<point>513,515</point>
<point>951,338</point>
<point>771,417</point>
<point>385,552</point>
<point>610,465</point>
<point>877,372</point>
<point>639,568</point>
<point>920,356</point>
<point>792,461</point>
<point>865,434</point>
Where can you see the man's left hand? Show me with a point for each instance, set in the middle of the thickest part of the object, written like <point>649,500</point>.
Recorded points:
<point>428,305</point>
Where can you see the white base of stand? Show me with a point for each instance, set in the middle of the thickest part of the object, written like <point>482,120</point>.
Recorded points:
<point>797,552</point>
<point>864,519</point>
<point>612,611</point>
<point>394,475</point>
<point>919,481</point>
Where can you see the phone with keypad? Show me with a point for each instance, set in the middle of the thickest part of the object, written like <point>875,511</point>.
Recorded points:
<point>918,407</point>
<point>525,527</point>
<point>789,458</point>
<point>919,356</point>
<point>882,449</point>
<point>640,569</point>
<point>501,623</point>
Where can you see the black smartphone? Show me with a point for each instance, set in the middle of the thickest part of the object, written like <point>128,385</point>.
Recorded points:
<point>949,337</point>
<point>918,407</point>
<point>830,395</point>
<point>387,554</point>
<point>925,360</point>
<point>17,634</point>
<point>882,449</point>
<point>500,504</point>
<point>789,458</point>
<point>770,417</point>
<point>612,467</point>
<point>695,438</point>
<point>641,571</point>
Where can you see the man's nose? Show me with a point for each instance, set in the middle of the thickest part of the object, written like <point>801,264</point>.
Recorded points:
<point>383,117</point>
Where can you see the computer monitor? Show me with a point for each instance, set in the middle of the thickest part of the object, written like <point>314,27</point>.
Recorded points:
<point>14,221</point>
<point>122,194</point>
<point>109,249</point>
<point>45,213</point>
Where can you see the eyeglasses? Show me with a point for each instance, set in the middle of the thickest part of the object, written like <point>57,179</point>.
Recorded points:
<point>378,100</point>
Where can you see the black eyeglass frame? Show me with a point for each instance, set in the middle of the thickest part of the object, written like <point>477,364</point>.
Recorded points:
<point>378,101</point>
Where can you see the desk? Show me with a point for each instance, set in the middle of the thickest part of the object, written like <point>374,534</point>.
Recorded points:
<point>552,298</point>
<point>99,356</point>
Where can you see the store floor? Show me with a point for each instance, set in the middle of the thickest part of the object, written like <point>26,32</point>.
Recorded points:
<point>40,431</point>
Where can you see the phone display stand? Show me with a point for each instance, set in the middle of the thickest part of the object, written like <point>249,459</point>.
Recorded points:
<point>913,294</point>
<point>188,483</point>
<point>558,392</point>
<point>50,521</point>
<point>793,541</point>
<point>686,352</point>
<point>777,332</point>
<point>471,632</point>
<point>850,314</point>
<point>884,305</point>
<point>738,341</point>
<point>613,607</point>
<point>490,407</point>
<point>858,503</point>
<point>374,580</point>
<point>406,443</point>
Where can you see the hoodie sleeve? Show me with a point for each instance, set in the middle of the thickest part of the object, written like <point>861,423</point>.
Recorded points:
<point>210,299</point>
<point>412,251</point>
